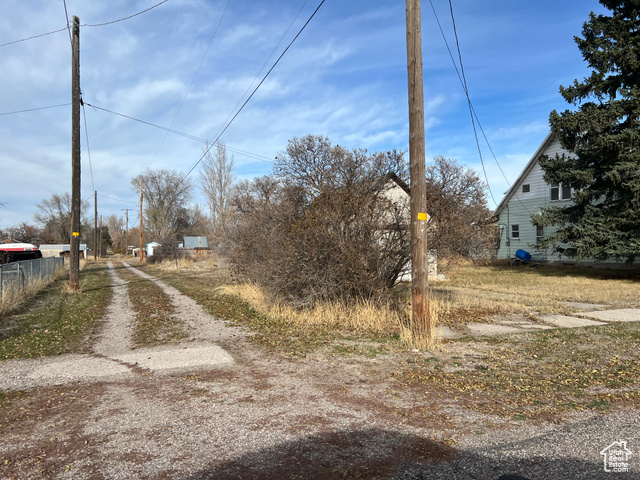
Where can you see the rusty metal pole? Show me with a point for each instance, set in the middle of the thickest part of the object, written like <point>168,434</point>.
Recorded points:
<point>419,272</point>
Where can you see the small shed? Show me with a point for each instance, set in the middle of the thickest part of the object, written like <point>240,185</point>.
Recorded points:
<point>151,247</point>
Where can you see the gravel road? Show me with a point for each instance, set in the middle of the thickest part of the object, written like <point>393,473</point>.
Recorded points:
<point>261,416</point>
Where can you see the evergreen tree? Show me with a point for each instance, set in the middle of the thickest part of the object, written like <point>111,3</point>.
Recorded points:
<point>603,134</point>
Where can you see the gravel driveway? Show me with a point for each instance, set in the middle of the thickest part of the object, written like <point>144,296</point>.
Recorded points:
<point>261,416</point>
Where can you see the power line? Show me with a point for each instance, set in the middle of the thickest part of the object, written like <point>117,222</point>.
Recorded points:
<point>444,38</point>
<point>36,109</point>
<point>182,134</point>
<point>66,14</point>
<point>266,61</point>
<point>466,91</point>
<point>34,36</point>
<point>254,91</point>
<point>191,83</point>
<point>85,25</point>
<point>86,135</point>
<point>117,200</point>
<point>125,18</point>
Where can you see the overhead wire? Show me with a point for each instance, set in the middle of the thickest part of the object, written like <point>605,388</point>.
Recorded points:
<point>66,14</point>
<point>469,99</point>
<point>117,199</point>
<point>34,36</point>
<point>254,92</point>
<point>466,91</point>
<point>35,109</point>
<point>182,134</point>
<point>125,18</point>
<point>191,83</point>
<point>86,136</point>
<point>266,61</point>
<point>84,25</point>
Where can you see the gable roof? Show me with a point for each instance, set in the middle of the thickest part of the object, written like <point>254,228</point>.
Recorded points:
<point>527,169</point>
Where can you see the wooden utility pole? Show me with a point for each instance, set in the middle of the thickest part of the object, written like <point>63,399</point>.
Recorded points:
<point>74,247</point>
<point>101,252</point>
<point>95,226</point>
<point>141,254</point>
<point>419,271</point>
<point>126,230</point>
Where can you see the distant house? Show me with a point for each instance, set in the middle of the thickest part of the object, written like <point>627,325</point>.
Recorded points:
<point>526,197</point>
<point>396,190</point>
<point>195,242</point>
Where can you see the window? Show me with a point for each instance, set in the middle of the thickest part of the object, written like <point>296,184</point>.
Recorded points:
<point>526,188</point>
<point>515,231</point>
<point>539,233</point>
<point>560,192</point>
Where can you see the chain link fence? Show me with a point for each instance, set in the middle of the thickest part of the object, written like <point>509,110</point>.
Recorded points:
<point>18,276</point>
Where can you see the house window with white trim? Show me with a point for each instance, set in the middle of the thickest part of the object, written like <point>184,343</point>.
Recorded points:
<point>539,233</point>
<point>515,232</point>
<point>560,192</point>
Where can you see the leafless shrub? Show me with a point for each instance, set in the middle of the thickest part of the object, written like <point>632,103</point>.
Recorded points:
<point>323,228</point>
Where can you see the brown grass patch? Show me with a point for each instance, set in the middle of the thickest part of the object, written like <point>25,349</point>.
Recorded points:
<point>156,322</point>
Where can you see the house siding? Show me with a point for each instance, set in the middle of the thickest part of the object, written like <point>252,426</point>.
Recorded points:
<point>519,207</point>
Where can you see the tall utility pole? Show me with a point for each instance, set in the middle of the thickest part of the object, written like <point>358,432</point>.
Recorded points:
<point>141,254</point>
<point>95,226</point>
<point>419,270</point>
<point>74,247</point>
<point>126,230</point>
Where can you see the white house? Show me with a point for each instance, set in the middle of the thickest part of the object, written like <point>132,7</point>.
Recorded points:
<point>526,197</point>
<point>398,192</point>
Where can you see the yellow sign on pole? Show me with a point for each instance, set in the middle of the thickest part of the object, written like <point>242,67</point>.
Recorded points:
<point>423,216</point>
<point>76,234</point>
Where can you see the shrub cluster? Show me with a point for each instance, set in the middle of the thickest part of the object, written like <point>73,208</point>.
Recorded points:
<point>324,227</point>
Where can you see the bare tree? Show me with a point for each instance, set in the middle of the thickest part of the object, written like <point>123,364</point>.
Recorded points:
<point>24,233</point>
<point>116,227</point>
<point>457,201</point>
<point>165,192</point>
<point>54,215</point>
<point>323,227</point>
<point>217,179</point>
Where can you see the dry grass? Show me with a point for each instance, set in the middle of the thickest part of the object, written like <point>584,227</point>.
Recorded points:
<point>365,316</point>
<point>13,299</point>
<point>525,285</point>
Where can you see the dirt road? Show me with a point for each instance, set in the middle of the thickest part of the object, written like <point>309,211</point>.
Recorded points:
<point>217,406</point>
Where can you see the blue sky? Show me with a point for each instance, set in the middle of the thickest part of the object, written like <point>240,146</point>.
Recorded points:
<point>345,77</point>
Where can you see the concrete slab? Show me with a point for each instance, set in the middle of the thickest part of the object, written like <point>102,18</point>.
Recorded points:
<point>564,321</point>
<point>488,329</point>
<point>621,315</point>
<point>178,358</point>
<point>78,369</point>
<point>536,326</point>
<point>582,305</point>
